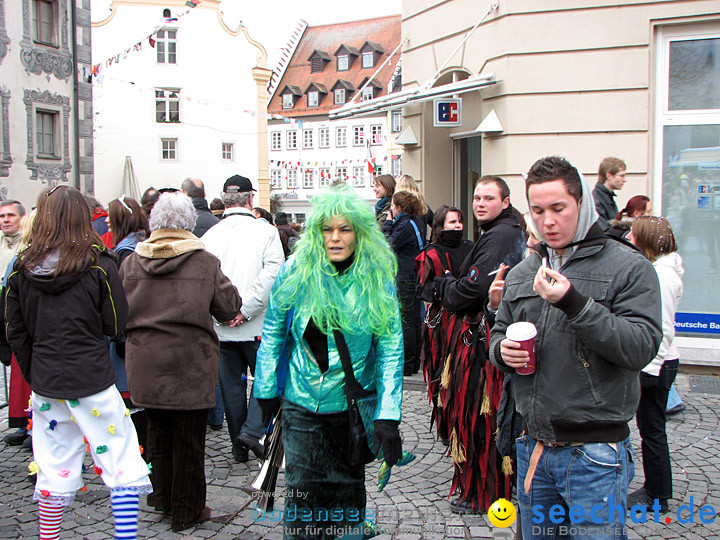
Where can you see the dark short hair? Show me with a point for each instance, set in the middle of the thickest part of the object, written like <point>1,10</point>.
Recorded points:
<point>552,168</point>
<point>499,182</point>
<point>439,220</point>
<point>19,208</point>
<point>149,198</point>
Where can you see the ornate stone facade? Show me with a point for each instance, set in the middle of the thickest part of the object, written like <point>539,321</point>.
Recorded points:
<point>4,39</point>
<point>45,170</point>
<point>5,157</point>
<point>46,59</point>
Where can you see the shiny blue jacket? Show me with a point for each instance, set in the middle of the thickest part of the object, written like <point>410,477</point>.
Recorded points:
<point>377,362</point>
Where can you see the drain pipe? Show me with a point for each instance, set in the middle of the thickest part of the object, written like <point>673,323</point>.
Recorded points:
<point>76,116</point>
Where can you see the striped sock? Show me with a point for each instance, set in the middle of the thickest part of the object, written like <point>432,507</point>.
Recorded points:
<point>125,511</point>
<point>51,514</point>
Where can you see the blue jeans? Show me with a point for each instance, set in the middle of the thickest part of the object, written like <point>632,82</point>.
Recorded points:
<point>217,413</point>
<point>243,416</point>
<point>586,486</point>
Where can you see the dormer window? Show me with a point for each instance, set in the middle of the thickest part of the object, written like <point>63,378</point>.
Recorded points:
<point>368,59</point>
<point>341,90</point>
<point>372,90</point>
<point>346,55</point>
<point>315,93</point>
<point>289,95</point>
<point>367,93</point>
<point>317,60</point>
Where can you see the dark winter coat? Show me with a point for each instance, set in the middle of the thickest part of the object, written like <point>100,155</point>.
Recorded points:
<point>605,205</point>
<point>502,241</point>
<point>55,326</point>
<point>405,243</point>
<point>174,289</point>
<point>205,218</point>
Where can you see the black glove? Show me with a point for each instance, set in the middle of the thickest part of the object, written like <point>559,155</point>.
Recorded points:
<point>269,407</point>
<point>387,437</point>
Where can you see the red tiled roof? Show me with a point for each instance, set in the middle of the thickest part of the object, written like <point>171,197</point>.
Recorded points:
<point>382,33</point>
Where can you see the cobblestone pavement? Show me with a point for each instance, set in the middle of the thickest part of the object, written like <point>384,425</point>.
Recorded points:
<point>413,505</point>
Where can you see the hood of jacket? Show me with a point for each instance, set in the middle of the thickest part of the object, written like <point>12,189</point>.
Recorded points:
<point>166,250</point>
<point>621,224</point>
<point>43,275</point>
<point>673,261</point>
<point>588,216</point>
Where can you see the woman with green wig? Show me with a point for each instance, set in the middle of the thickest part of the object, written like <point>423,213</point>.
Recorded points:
<point>339,285</point>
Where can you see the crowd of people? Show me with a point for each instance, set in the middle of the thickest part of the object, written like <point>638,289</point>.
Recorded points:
<point>133,329</point>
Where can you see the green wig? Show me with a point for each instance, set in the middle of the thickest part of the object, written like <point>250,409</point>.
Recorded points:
<point>360,300</point>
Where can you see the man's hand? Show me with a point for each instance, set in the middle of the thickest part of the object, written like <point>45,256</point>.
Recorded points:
<point>513,355</point>
<point>552,290</point>
<point>496,287</point>
<point>238,320</point>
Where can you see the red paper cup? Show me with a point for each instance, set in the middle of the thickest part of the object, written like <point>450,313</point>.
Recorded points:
<point>524,333</point>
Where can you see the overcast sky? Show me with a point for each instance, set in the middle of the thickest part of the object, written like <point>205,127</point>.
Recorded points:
<point>271,22</point>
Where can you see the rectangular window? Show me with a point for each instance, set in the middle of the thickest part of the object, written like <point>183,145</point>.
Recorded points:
<point>396,122</point>
<point>167,106</point>
<point>324,173</point>
<point>367,93</point>
<point>687,164</point>
<point>45,22</point>
<point>308,179</point>
<point>368,59</point>
<point>396,166</point>
<point>307,138</point>
<point>358,135</point>
<point>376,136</point>
<point>166,46</point>
<point>300,218</point>
<point>358,176</point>
<point>169,149</point>
<point>324,136</point>
<point>340,96</point>
<point>341,137</point>
<point>378,170</point>
<point>46,127</point>
<point>343,62</point>
<point>313,99</point>
<point>227,151</point>
<point>291,140</point>
<point>292,179</point>
<point>275,178</point>
<point>341,173</point>
<point>287,101</point>
<point>275,140</point>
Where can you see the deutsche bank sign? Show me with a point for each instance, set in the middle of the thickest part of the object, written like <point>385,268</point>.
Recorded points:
<point>447,112</point>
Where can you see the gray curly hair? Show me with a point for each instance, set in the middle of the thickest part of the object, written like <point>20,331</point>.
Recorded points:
<point>173,211</point>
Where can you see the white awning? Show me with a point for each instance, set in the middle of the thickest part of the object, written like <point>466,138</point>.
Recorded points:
<point>491,124</point>
<point>418,94</point>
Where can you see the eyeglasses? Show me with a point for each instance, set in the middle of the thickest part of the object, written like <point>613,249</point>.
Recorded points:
<point>121,200</point>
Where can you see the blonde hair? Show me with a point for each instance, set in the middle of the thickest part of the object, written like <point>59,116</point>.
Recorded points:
<point>407,183</point>
<point>27,225</point>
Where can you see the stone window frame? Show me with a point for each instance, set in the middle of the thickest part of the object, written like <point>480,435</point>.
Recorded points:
<point>55,169</point>
<point>38,58</point>
<point>5,156</point>
<point>4,39</point>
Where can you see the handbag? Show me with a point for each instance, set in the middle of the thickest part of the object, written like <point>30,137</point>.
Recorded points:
<point>361,410</point>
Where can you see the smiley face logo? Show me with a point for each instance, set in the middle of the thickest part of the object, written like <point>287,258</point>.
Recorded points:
<point>502,513</point>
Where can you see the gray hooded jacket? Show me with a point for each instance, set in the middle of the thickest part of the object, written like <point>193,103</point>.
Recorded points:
<point>591,344</point>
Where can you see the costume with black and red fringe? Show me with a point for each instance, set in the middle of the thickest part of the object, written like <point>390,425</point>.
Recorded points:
<point>442,258</point>
<point>470,387</point>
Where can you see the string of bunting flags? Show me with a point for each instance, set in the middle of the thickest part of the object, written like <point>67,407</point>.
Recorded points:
<point>95,70</point>
<point>303,166</point>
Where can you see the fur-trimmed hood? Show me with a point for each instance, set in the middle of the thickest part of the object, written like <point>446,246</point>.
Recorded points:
<point>168,243</point>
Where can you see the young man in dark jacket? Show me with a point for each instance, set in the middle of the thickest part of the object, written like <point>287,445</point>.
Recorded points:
<point>611,178</point>
<point>596,306</point>
<point>470,393</point>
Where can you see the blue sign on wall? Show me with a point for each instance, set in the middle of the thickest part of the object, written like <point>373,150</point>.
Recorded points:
<point>697,323</point>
